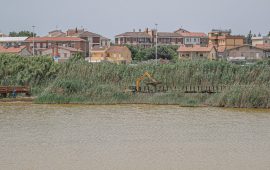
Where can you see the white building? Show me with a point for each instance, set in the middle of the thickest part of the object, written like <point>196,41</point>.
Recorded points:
<point>260,40</point>
<point>12,41</point>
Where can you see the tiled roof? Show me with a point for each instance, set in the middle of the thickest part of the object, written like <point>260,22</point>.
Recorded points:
<point>117,49</point>
<point>263,46</point>
<point>134,34</point>
<point>11,49</point>
<point>168,34</point>
<point>195,48</point>
<point>54,39</point>
<point>193,34</point>
<point>89,34</point>
<point>246,45</point>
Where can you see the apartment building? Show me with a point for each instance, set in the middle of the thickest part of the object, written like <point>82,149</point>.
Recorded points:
<point>42,43</point>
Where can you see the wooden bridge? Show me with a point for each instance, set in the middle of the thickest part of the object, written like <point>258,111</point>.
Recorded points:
<point>5,90</point>
<point>204,89</point>
<point>184,89</point>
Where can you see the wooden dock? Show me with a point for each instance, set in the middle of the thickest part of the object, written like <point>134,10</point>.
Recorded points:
<point>5,90</point>
<point>204,89</point>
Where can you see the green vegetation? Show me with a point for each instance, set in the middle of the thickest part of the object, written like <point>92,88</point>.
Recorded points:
<point>104,83</point>
<point>21,34</point>
<point>164,52</point>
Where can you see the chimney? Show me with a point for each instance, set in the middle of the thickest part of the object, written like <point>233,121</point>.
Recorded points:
<point>140,30</point>
<point>133,30</point>
<point>146,30</point>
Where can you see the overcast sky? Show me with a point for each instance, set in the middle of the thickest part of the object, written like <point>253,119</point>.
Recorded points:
<point>111,17</point>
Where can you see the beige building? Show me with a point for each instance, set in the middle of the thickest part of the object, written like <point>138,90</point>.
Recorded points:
<point>114,54</point>
<point>61,53</point>
<point>245,53</point>
<point>197,52</point>
<point>260,40</point>
<point>222,40</point>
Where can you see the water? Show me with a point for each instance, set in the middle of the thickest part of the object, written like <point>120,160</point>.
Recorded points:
<point>43,137</point>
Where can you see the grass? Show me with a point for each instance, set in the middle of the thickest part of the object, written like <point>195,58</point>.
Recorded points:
<point>105,83</point>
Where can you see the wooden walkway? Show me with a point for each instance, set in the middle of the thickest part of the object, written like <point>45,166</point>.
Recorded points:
<point>184,89</point>
<point>5,90</point>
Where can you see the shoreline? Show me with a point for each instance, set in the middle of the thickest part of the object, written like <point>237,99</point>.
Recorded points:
<point>32,102</point>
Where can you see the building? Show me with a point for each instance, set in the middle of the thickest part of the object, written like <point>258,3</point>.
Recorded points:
<point>94,39</point>
<point>56,33</point>
<point>266,48</point>
<point>197,52</point>
<point>114,54</point>
<point>18,50</point>
<point>245,53</point>
<point>194,38</point>
<point>168,38</point>
<point>223,40</point>
<point>147,38</point>
<point>60,53</point>
<point>12,41</point>
<point>143,39</point>
<point>42,43</point>
<point>260,40</point>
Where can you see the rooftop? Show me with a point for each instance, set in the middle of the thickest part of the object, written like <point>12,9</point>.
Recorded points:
<point>195,48</point>
<point>193,34</point>
<point>54,39</point>
<point>134,34</point>
<point>11,49</point>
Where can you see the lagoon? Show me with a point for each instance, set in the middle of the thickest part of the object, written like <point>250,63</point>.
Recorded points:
<point>135,137</point>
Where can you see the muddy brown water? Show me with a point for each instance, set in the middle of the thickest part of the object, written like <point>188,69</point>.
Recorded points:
<point>127,137</point>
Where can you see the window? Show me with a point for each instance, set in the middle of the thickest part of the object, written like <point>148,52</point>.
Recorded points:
<point>201,55</point>
<point>65,55</point>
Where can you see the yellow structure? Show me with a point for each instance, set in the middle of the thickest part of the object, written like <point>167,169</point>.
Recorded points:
<point>222,40</point>
<point>114,54</point>
<point>153,82</point>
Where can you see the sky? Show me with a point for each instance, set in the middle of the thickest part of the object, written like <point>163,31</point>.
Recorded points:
<point>112,17</point>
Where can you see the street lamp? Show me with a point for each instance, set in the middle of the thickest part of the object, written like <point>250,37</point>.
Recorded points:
<point>156,43</point>
<point>33,40</point>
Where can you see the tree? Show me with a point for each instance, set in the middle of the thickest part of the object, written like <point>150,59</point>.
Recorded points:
<point>22,34</point>
<point>269,34</point>
<point>249,38</point>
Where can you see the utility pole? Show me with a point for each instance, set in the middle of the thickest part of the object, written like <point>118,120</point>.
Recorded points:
<point>33,40</point>
<point>156,43</point>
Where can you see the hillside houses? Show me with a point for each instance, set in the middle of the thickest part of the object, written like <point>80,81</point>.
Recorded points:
<point>218,44</point>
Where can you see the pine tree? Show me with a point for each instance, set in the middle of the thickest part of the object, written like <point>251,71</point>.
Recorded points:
<point>249,38</point>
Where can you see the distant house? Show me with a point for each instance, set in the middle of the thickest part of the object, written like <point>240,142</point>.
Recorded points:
<point>266,48</point>
<point>42,43</point>
<point>223,40</point>
<point>245,53</point>
<point>169,38</point>
<point>19,50</point>
<point>197,52</point>
<point>261,40</point>
<point>12,41</point>
<point>194,38</point>
<point>56,33</point>
<point>114,54</point>
<point>141,39</point>
<point>94,39</point>
<point>61,53</point>
<point>148,37</point>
